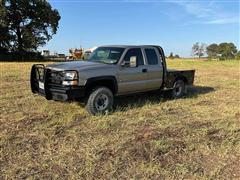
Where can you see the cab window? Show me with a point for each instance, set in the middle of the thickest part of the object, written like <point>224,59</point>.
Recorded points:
<point>135,52</point>
<point>152,57</point>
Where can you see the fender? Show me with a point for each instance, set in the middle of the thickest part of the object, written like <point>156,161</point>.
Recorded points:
<point>103,80</point>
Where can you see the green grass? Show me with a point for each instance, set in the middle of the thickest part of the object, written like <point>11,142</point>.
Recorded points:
<point>147,136</point>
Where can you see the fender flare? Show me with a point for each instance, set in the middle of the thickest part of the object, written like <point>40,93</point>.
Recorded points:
<point>95,80</point>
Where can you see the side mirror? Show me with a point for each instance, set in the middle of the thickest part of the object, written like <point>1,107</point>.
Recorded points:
<point>133,61</point>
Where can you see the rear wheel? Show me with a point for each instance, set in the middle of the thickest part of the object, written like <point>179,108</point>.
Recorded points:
<point>100,101</point>
<point>179,89</point>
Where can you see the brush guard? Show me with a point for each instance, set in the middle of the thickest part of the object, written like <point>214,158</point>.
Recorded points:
<point>43,83</point>
<point>40,80</point>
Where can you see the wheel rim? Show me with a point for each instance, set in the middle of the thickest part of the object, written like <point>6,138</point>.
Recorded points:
<point>101,102</point>
<point>178,89</point>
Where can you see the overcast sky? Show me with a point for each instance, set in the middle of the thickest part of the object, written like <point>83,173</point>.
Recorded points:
<point>175,25</point>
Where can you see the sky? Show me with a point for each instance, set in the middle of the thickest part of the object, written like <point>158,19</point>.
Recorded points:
<point>173,24</point>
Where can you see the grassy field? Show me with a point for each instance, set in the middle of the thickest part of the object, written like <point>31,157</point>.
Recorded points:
<point>147,136</point>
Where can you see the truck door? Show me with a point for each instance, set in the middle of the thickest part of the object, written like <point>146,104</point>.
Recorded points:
<point>154,68</point>
<point>132,79</point>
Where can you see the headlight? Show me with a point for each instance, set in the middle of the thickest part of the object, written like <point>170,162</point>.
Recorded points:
<point>70,78</point>
<point>70,83</point>
<point>71,75</point>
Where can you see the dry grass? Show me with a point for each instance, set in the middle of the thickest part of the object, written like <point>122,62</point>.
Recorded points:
<point>146,137</point>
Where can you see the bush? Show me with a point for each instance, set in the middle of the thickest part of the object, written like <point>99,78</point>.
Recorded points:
<point>177,56</point>
<point>25,56</point>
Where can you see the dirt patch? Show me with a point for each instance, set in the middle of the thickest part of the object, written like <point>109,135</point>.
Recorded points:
<point>13,128</point>
<point>141,148</point>
<point>232,169</point>
<point>30,120</point>
<point>204,103</point>
<point>56,168</point>
<point>77,120</point>
<point>148,133</point>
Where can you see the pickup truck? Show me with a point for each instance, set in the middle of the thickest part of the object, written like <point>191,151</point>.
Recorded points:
<point>108,72</point>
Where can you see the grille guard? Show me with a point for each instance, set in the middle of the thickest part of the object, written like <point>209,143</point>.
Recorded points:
<point>52,81</point>
<point>39,74</point>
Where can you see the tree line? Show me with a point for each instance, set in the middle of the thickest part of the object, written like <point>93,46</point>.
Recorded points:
<point>25,25</point>
<point>220,51</point>
<point>172,56</point>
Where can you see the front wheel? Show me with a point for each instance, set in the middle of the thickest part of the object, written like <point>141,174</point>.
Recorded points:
<point>179,89</point>
<point>100,101</point>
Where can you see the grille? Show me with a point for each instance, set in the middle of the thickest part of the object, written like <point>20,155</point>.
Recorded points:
<point>56,77</point>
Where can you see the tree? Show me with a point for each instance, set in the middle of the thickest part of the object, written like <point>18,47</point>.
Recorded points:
<point>227,50</point>
<point>171,56</point>
<point>238,55</point>
<point>4,34</point>
<point>27,24</point>
<point>4,39</point>
<point>177,56</point>
<point>213,50</point>
<point>198,49</point>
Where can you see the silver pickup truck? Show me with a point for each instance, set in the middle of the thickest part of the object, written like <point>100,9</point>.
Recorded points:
<point>110,71</point>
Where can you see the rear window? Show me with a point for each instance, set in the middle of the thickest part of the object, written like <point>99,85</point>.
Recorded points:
<point>152,57</point>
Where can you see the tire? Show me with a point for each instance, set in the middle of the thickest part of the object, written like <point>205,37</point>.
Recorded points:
<point>100,101</point>
<point>179,89</point>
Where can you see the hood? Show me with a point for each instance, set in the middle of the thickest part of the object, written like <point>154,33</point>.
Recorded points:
<point>77,65</point>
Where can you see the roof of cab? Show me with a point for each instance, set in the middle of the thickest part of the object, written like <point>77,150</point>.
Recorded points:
<point>129,46</point>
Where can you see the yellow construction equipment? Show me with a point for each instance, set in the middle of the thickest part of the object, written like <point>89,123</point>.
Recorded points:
<point>76,53</point>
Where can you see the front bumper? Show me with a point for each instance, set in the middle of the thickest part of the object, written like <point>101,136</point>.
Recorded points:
<point>51,91</point>
<point>66,93</point>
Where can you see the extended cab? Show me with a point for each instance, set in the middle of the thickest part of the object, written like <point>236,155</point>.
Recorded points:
<point>110,71</point>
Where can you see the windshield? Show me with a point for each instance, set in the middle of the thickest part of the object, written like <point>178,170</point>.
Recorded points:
<point>108,55</point>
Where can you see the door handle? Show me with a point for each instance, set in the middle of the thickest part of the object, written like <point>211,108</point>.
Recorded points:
<point>144,70</point>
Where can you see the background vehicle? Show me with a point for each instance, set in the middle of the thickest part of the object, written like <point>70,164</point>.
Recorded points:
<point>110,71</point>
